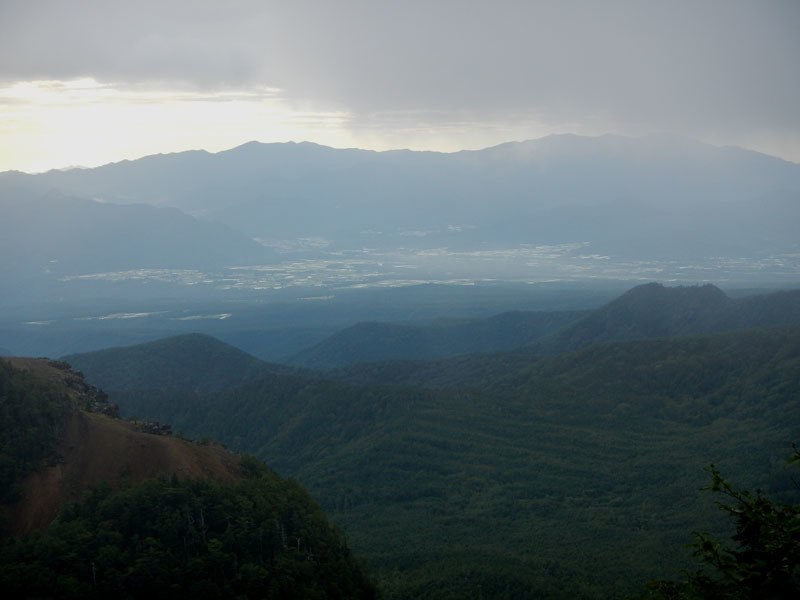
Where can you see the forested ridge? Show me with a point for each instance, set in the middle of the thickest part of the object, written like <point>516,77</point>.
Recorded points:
<point>190,538</point>
<point>374,341</point>
<point>563,476</point>
<point>653,310</point>
<point>646,311</point>
<point>569,468</point>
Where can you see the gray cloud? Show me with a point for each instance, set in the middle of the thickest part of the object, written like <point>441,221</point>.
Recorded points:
<point>724,68</point>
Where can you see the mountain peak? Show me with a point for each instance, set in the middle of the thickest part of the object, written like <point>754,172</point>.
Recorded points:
<point>648,311</point>
<point>654,309</point>
<point>655,291</point>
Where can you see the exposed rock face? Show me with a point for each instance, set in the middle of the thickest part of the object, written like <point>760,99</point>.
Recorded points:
<point>96,446</point>
<point>89,398</point>
<point>86,396</point>
<point>152,427</point>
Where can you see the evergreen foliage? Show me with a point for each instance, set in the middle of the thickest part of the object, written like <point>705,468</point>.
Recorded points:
<point>32,416</point>
<point>764,563</point>
<point>191,538</point>
<point>653,310</point>
<point>560,477</point>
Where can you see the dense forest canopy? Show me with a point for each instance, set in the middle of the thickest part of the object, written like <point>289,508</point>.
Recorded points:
<point>32,416</point>
<point>191,538</point>
<point>567,474</point>
<point>761,560</point>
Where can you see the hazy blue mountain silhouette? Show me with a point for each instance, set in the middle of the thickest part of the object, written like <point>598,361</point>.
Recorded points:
<point>656,196</point>
<point>64,235</point>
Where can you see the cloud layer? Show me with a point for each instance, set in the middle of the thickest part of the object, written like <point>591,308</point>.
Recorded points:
<point>724,70</point>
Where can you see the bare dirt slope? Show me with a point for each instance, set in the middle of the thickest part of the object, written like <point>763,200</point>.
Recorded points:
<point>97,447</point>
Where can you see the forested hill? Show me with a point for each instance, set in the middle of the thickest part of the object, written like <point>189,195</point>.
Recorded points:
<point>653,310</point>
<point>192,362</point>
<point>140,512</point>
<point>367,342</point>
<point>573,475</point>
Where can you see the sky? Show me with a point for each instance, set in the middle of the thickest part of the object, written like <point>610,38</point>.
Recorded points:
<point>84,83</point>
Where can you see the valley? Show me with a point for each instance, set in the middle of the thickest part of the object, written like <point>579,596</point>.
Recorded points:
<point>570,468</point>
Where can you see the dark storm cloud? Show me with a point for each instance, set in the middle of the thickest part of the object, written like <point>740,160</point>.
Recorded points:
<point>701,66</point>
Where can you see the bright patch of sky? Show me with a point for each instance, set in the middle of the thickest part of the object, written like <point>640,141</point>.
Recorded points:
<point>51,124</point>
<point>56,124</point>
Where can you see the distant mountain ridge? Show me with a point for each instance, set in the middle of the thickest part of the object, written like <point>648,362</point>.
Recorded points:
<point>397,351</point>
<point>654,310</point>
<point>369,342</point>
<point>49,237</point>
<point>651,197</point>
<point>646,311</point>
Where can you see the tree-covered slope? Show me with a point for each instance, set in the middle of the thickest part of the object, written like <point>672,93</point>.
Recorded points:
<point>192,362</point>
<point>262,537</point>
<point>33,414</point>
<point>644,312</point>
<point>169,518</point>
<point>368,342</point>
<point>653,310</point>
<point>570,476</point>
<point>762,559</point>
<point>764,310</point>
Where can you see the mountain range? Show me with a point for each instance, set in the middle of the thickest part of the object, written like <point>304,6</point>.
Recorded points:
<point>596,201</point>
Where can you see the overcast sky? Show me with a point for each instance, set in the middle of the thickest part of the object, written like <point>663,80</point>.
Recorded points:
<point>88,82</point>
